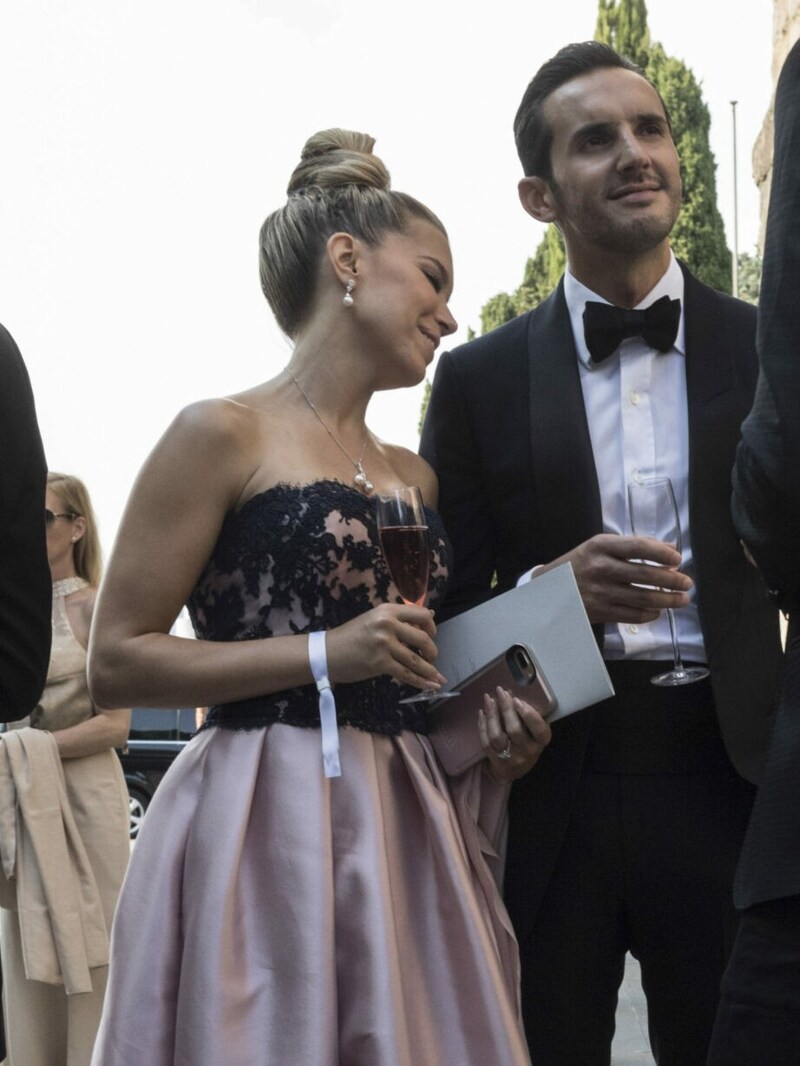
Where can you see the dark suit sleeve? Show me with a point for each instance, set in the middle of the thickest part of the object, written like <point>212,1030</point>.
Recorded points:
<point>766,499</point>
<point>25,585</point>
<point>766,511</point>
<point>448,444</point>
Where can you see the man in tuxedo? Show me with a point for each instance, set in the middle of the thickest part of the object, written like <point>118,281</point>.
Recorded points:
<point>759,1017</point>
<point>625,836</point>
<point>25,585</point>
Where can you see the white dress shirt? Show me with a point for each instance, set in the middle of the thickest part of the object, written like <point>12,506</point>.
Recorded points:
<point>638,424</point>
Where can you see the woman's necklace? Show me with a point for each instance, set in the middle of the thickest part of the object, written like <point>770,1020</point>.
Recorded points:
<point>65,586</point>
<point>360,479</point>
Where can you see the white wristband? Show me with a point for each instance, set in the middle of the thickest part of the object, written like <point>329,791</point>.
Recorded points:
<point>318,659</point>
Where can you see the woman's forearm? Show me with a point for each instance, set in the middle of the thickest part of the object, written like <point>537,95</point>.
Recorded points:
<point>105,730</point>
<point>161,670</point>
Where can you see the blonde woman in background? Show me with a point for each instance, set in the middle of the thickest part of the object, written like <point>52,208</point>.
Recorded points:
<point>44,1025</point>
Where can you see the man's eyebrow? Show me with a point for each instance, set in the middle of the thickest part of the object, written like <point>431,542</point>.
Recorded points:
<point>652,116</point>
<point>592,128</point>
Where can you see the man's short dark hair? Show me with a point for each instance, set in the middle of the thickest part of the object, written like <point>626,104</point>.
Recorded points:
<point>531,131</point>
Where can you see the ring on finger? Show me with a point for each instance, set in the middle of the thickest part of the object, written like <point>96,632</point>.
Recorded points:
<point>506,752</point>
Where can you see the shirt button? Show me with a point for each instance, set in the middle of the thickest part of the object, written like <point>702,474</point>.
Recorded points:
<point>638,476</point>
<point>635,398</point>
<point>633,629</point>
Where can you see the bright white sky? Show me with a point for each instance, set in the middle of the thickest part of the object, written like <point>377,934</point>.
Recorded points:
<point>143,144</point>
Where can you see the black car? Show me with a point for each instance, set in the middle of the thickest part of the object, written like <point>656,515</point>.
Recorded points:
<point>156,738</point>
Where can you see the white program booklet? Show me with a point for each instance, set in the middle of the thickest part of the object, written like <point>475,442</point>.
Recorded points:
<point>547,615</point>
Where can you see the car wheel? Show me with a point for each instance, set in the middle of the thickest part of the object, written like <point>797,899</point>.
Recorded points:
<point>138,802</point>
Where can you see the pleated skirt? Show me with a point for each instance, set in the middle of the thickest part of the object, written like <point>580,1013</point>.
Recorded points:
<point>271,916</point>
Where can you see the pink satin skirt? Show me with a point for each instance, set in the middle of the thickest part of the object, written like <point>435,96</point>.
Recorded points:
<point>271,916</point>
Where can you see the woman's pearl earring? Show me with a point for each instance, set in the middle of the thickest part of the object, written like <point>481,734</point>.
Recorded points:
<point>347,299</point>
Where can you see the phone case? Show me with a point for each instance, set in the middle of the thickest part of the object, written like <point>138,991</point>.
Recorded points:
<point>454,722</point>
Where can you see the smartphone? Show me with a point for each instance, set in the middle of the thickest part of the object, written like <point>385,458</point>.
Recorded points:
<point>454,722</point>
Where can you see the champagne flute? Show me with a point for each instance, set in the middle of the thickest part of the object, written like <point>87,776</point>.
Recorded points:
<point>654,513</point>
<point>403,532</point>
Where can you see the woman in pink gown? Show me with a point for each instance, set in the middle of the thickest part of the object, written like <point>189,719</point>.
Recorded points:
<point>272,913</point>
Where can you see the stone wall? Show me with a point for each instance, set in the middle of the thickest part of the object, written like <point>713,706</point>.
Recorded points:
<point>785,31</point>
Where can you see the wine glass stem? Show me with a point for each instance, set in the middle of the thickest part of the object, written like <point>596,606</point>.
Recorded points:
<point>676,651</point>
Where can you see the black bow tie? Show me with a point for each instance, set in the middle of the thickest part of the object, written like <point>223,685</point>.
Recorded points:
<point>605,327</point>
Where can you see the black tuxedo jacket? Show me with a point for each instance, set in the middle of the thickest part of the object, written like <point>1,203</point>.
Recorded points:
<point>507,434</point>
<point>25,585</point>
<point>766,503</point>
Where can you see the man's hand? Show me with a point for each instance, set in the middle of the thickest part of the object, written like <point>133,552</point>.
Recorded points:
<point>609,570</point>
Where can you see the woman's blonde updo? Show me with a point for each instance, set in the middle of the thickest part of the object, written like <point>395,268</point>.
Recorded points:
<point>339,186</point>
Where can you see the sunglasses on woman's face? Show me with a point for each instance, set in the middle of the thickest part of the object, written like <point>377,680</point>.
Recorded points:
<point>51,516</point>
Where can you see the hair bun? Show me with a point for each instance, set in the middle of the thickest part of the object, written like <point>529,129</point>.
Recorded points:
<point>335,157</point>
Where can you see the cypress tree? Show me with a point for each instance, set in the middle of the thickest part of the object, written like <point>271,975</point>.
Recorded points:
<point>625,29</point>
<point>699,234</point>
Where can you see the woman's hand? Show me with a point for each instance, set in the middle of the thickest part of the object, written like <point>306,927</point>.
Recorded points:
<point>513,734</point>
<point>392,639</point>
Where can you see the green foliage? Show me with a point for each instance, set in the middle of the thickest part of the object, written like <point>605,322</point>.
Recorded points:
<point>606,26</point>
<point>622,24</point>
<point>698,237</point>
<point>541,276</point>
<point>749,276</point>
<point>497,310</point>
<point>542,271</point>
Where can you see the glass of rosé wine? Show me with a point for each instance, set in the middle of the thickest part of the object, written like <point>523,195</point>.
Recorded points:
<point>403,532</point>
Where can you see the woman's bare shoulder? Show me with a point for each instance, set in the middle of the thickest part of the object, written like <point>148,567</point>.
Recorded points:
<point>84,600</point>
<point>221,419</point>
<point>80,606</point>
<point>414,470</point>
<point>223,436</point>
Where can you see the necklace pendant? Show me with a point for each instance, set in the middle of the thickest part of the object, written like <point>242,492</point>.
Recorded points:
<point>361,481</point>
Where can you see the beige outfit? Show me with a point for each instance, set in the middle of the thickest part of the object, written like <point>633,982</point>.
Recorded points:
<point>45,1026</point>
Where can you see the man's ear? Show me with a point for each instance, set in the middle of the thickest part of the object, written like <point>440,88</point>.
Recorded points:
<point>344,255</point>
<point>537,198</point>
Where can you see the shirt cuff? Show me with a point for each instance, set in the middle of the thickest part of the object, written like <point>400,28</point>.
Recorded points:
<point>525,578</point>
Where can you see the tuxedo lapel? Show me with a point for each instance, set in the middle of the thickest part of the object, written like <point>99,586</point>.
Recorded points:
<point>708,358</point>
<point>567,497</point>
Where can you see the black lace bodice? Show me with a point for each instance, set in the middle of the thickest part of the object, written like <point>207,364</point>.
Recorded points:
<point>295,559</point>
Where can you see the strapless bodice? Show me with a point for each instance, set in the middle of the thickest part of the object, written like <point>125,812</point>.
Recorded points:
<point>300,558</point>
